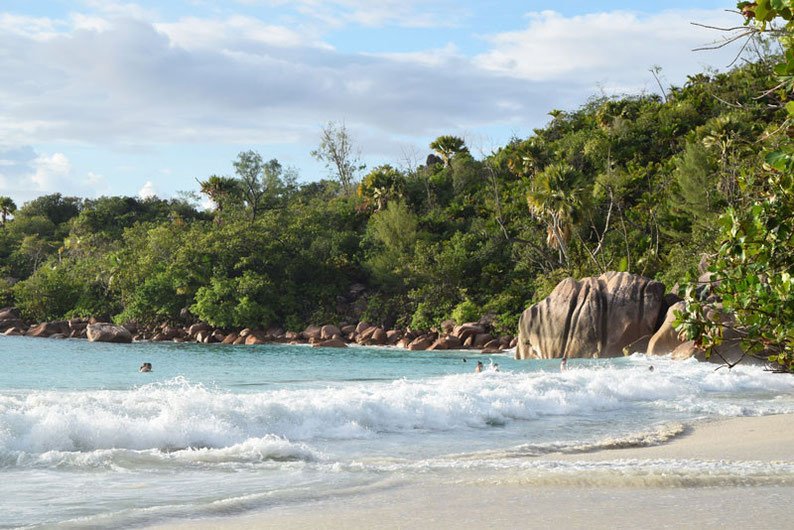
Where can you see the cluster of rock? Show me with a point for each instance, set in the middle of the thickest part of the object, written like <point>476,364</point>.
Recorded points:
<point>76,328</point>
<point>612,315</point>
<point>450,336</point>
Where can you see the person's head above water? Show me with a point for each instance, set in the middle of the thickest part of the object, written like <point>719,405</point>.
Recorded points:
<point>146,367</point>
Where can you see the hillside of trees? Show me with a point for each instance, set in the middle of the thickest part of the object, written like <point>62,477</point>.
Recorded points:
<point>635,183</point>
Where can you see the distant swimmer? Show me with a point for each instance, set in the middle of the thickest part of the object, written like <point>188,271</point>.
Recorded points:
<point>650,368</point>
<point>146,367</point>
<point>479,367</point>
<point>464,359</point>
<point>496,367</point>
<point>563,364</point>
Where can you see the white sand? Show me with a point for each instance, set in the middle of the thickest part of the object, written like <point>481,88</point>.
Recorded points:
<point>578,500</point>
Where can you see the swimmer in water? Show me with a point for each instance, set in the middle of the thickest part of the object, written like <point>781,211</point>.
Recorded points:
<point>563,364</point>
<point>146,367</point>
<point>478,369</point>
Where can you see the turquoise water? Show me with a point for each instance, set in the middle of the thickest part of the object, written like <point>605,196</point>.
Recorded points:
<point>85,439</point>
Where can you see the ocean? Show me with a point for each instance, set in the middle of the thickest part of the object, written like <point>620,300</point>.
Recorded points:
<point>215,430</point>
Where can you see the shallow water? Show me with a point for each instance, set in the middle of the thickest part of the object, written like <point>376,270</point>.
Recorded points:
<point>85,439</point>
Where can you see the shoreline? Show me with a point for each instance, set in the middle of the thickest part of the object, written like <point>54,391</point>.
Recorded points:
<point>475,336</point>
<point>493,500</point>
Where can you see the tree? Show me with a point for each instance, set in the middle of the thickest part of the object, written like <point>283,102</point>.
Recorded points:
<point>447,147</point>
<point>220,189</point>
<point>260,182</point>
<point>382,184</point>
<point>751,274</point>
<point>54,207</point>
<point>7,207</point>
<point>340,157</point>
<point>249,168</point>
<point>553,198</point>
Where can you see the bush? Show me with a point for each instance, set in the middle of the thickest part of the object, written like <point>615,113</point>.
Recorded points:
<point>234,302</point>
<point>47,295</point>
<point>466,311</point>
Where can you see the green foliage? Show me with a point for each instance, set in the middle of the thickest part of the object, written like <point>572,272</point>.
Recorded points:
<point>341,158</point>
<point>6,292</point>
<point>753,267</point>
<point>429,314</point>
<point>447,147</point>
<point>155,300</point>
<point>381,185</point>
<point>235,302</point>
<point>55,207</point>
<point>7,207</point>
<point>393,232</point>
<point>545,284</point>
<point>49,294</point>
<point>466,311</point>
<point>752,270</point>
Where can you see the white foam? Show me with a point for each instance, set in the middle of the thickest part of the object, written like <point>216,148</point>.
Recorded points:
<point>179,415</point>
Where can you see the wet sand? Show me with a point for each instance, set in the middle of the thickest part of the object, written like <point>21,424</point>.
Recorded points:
<point>586,499</point>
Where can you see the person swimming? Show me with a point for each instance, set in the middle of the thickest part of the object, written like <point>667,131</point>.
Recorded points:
<point>563,364</point>
<point>478,369</point>
<point>146,367</point>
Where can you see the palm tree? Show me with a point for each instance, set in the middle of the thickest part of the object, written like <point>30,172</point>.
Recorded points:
<point>447,147</point>
<point>219,189</point>
<point>528,157</point>
<point>554,198</point>
<point>7,207</point>
<point>382,184</point>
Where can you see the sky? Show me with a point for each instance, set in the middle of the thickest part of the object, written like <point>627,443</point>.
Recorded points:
<point>99,97</point>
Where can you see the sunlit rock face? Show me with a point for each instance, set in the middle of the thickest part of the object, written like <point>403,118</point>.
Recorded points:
<point>592,317</point>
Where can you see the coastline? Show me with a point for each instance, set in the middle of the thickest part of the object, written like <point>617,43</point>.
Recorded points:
<point>498,500</point>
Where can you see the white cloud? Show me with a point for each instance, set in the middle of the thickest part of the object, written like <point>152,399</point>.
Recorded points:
<point>192,33</point>
<point>80,21</point>
<point>37,28</point>
<point>148,190</point>
<point>136,85</point>
<point>25,174</point>
<point>50,171</point>
<point>435,58</point>
<point>113,8</point>
<point>368,13</point>
<point>618,47</point>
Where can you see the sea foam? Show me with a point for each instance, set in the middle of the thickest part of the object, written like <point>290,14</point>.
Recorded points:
<point>178,415</point>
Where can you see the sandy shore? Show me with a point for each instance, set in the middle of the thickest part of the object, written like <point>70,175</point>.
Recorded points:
<point>597,497</point>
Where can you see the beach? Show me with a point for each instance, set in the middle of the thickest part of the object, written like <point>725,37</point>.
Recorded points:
<point>508,500</point>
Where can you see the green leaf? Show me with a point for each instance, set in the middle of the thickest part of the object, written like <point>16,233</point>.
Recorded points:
<point>779,159</point>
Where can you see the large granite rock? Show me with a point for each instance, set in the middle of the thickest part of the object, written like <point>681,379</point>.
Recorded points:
<point>106,332</point>
<point>593,317</point>
<point>46,329</point>
<point>666,338</point>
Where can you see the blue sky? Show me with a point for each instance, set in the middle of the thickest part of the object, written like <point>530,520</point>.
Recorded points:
<point>114,98</point>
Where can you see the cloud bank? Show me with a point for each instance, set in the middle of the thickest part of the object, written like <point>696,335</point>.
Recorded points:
<point>121,79</point>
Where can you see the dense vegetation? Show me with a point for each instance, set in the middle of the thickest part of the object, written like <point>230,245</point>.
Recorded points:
<point>636,183</point>
<point>753,266</point>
